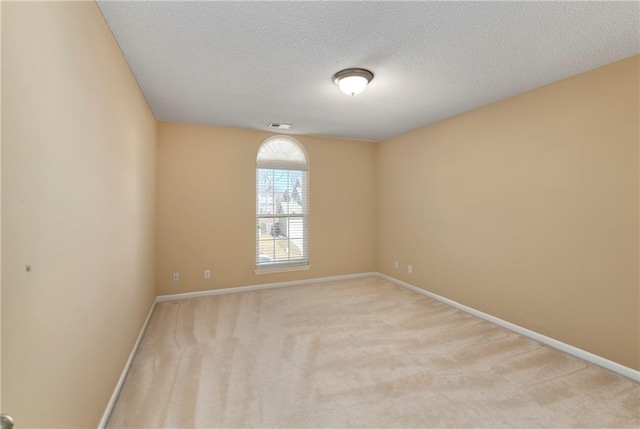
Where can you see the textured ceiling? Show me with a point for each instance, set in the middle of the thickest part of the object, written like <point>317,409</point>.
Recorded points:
<point>245,64</point>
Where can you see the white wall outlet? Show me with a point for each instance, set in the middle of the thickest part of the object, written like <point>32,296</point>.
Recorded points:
<point>175,277</point>
<point>396,265</point>
<point>207,274</point>
<point>409,269</point>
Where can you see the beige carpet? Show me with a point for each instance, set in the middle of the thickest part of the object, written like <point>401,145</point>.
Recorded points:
<point>356,353</point>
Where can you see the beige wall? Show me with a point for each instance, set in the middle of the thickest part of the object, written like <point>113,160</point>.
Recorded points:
<point>527,209</point>
<point>206,207</point>
<point>78,190</point>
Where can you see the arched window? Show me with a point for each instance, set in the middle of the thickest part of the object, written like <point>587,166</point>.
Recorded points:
<point>281,204</point>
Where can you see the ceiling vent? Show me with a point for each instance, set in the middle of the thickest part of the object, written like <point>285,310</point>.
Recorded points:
<point>277,126</point>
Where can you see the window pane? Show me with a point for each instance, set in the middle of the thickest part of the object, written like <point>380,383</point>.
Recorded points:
<point>266,202</point>
<point>295,227</point>
<point>280,182</point>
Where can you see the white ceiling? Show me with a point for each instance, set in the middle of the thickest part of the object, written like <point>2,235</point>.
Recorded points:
<point>245,64</point>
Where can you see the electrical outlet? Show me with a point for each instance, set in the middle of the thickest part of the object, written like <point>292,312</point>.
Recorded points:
<point>409,269</point>
<point>396,265</point>
<point>175,277</point>
<point>207,274</point>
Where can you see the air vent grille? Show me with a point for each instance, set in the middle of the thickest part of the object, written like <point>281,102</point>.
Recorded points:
<point>278,126</point>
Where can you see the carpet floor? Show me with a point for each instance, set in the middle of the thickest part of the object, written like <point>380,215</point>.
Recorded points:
<point>354,354</point>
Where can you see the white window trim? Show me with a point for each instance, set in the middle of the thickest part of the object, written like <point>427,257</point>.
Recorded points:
<point>287,266</point>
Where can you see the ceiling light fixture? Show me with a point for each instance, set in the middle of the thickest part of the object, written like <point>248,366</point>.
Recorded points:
<point>352,81</point>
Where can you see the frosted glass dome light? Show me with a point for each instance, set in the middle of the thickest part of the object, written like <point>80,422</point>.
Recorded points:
<point>352,81</point>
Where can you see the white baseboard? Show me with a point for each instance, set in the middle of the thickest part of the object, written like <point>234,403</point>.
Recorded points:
<point>125,371</point>
<point>574,351</point>
<point>251,288</point>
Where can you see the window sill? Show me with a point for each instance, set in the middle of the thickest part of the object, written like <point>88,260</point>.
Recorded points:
<point>281,269</point>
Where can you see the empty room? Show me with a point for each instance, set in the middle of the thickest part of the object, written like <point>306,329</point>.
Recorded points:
<point>318,214</point>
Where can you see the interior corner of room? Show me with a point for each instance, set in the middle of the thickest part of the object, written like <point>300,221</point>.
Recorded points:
<point>525,209</point>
